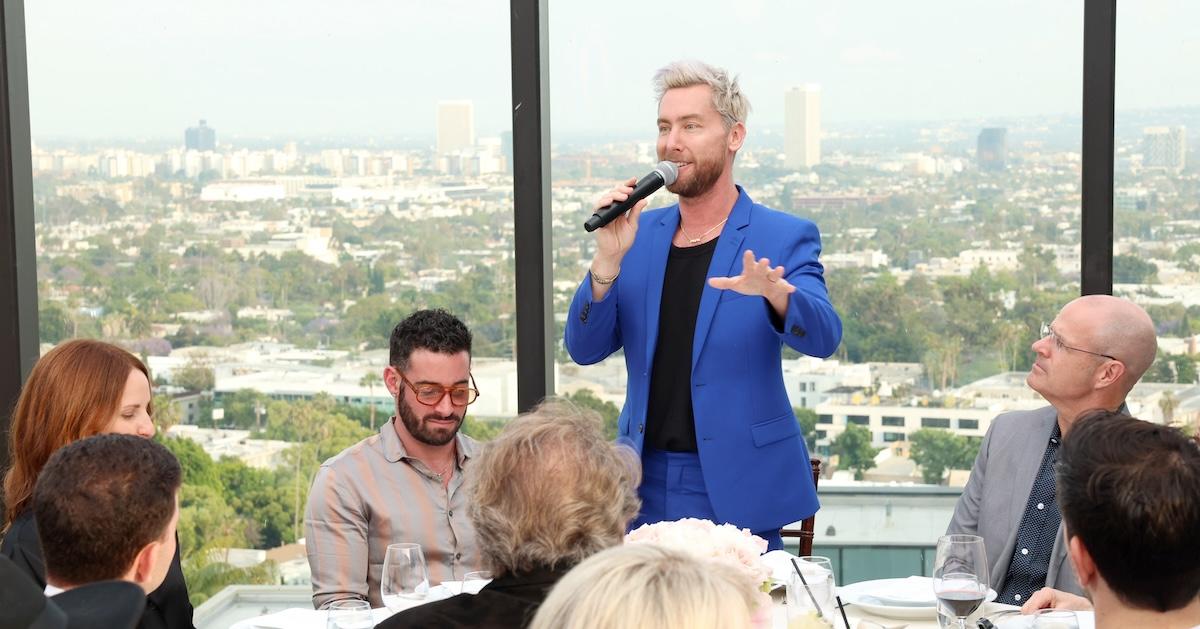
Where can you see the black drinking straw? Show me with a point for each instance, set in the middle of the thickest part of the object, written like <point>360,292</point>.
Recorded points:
<point>812,598</point>
<point>842,608</point>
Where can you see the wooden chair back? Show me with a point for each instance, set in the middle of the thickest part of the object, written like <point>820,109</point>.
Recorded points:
<point>805,534</point>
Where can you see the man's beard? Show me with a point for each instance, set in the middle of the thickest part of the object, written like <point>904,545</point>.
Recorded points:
<point>419,427</point>
<point>704,175</point>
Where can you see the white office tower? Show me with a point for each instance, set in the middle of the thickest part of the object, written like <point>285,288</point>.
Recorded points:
<point>455,126</point>
<point>1164,147</point>
<point>802,122</point>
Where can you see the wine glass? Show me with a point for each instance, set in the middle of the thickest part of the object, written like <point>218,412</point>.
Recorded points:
<point>405,577</point>
<point>960,575</point>
<point>1055,619</point>
<point>349,614</point>
<point>811,602</point>
<point>475,580</point>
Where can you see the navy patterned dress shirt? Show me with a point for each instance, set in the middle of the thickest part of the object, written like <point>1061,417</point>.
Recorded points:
<point>1037,533</point>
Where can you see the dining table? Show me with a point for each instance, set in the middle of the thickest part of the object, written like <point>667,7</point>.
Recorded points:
<point>858,618</point>
<point>892,603</point>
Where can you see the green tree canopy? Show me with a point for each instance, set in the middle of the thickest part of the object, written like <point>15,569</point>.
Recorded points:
<point>854,450</point>
<point>808,426</point>
<point>198,467</point>
<point>1177,368</point>
<point>609,413</point>
<point>1130,269</point>
<point>55,323</point>
<point>936,450</point>
<point>239,408</point>
<point>194,377</point>
<point>316,422</point>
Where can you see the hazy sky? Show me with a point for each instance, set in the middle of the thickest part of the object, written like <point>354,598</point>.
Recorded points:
<point>303,68</point>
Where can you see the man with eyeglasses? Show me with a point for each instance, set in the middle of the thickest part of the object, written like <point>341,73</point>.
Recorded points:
<point>1089,358</point>
<point>405,483</point>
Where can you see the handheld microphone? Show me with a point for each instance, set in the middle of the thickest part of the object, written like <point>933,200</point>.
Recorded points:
<point>664,174</point>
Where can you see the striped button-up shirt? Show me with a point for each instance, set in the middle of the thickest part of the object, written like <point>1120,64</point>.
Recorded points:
<point>373,494</point>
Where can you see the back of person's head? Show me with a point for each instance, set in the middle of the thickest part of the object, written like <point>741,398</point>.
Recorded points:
<point>645,586</point>
<point>106,508</point>
<point>1129,490</point>
<point>550,490</point>
<point>72,392</point>
<point>435,330</point>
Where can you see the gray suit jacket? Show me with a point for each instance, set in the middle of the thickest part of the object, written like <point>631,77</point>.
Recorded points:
<point>994,499</point>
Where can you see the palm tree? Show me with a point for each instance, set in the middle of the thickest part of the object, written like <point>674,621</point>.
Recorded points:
<point>369,380</point>
<point>1167,404</point>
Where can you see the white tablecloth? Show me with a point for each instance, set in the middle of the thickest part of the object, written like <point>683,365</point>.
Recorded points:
<point>298,618</point>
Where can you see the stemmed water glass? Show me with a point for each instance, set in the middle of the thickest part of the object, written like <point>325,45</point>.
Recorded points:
<point>405,578</point>
<point>960,576</point>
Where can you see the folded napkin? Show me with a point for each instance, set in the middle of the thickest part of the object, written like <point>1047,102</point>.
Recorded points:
<point>780,564</point>
<point>910,592</point>
<point>452,588</point>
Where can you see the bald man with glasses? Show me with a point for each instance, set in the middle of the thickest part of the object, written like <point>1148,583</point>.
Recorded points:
<point>405,483</point>
<point>1088,358</point>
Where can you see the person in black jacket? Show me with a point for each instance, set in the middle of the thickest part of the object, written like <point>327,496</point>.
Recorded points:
<point>545,494</point>
<point>107,507</point>
<point>79,389</point>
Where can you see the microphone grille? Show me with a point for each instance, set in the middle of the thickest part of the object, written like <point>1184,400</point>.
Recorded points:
<point>668,170</point>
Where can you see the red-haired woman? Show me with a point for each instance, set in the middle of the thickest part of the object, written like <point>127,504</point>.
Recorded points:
<point>79,389</point>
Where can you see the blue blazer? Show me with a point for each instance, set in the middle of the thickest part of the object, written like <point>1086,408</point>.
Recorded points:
<point>754,461</point>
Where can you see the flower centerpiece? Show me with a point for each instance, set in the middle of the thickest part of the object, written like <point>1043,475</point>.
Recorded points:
<point>702,538</point>
<point>721,542</point>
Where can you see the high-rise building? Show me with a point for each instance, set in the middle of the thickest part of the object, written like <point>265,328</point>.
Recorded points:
<point>201,138</point>
<point>991,150</point>
<point>455,126</point>
<point>506,145</point>
<point>802,126</point>
<point>1164,147</point>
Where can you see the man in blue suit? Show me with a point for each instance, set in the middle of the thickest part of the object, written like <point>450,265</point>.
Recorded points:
<point>702,296</point>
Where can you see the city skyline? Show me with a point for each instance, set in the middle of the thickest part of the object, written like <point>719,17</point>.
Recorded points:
<point>274,69</point>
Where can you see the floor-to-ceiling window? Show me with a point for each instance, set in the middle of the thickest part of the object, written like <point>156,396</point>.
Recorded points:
<point>1156,196</point>
<point>250,196</point>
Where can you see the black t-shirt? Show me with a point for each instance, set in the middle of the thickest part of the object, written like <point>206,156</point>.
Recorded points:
<point>670,424</point>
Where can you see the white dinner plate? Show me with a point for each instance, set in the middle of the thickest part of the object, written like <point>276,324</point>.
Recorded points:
<point>865,595</point>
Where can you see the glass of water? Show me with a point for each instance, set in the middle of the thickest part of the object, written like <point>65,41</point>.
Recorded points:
<point>1055,619</point>
<point>474,581</point>
<point>810,601</point>
<point>349,614</point>
<point>405,579</point>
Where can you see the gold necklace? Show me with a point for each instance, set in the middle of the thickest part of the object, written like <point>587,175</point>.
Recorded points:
<point>692,241</point>
<point>441,475</point>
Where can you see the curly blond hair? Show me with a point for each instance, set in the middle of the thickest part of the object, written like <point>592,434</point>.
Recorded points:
<point>550,490</point>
